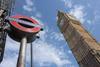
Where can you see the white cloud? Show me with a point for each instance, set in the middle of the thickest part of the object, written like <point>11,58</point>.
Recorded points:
<point>9,62</point>
<point>69,51</point>
<point>11,53</point>
<point>28,5</point>
<point>67,3</point>
<point>57,36</point>
<point>78,12</point>
<point>38,15</point>
<point>27,8</point>
<point>89,21</point>
<point>29,2</point>
<point>43,35</point>
<point>96,18</point>
<point>43,53</point>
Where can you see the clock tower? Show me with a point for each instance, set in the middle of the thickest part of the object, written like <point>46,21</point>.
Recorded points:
<point>84,47</point>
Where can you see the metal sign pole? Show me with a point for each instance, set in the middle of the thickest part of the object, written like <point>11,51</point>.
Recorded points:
<point>31,52</point>
<point>22,52</point>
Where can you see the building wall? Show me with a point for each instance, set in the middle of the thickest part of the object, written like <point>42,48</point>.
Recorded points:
<point>7,5</point>
<point>5,10</point>
<point>84,47</point>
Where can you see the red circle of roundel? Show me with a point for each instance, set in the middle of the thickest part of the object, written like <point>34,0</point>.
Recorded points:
<point>25,29</point>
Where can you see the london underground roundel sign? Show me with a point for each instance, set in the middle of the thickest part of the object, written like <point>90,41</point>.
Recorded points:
<point>22,26</point>
<point>24,23</point>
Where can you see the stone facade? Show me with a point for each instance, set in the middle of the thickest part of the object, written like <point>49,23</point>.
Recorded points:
<point>84,47</point>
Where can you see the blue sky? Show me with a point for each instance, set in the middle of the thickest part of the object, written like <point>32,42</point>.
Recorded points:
<point>51,50</point>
